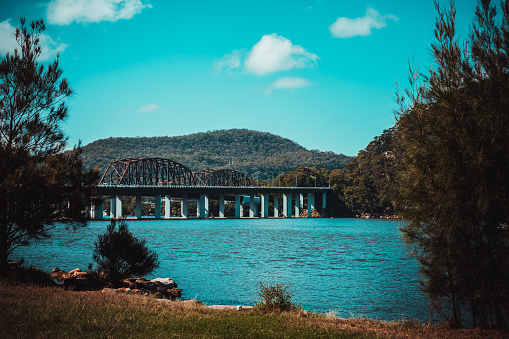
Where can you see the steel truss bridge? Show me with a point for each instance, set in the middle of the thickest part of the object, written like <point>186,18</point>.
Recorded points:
<point>167,179</point>
<point>159,171</point>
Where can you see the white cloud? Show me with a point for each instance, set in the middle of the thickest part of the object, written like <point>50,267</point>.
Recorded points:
<point>49,47</point>
<point>149,108</point>
<point>347,28</point>
<point>273,53</point>
<point>288,83</point>
<point>64,12</point>
<point>7,40</point>
<point>229,61</point>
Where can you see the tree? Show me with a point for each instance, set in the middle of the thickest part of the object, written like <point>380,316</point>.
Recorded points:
<point>41,186</point>
<point>367,184</point>
<point>121,255</point>
<point>453,126</point>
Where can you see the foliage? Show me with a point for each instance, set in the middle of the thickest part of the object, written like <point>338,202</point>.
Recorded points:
<point>303,177</point>
<point>39,184</point>
<point>22,273</point>
<point>121,255</point>
<point>455,168</point>
<point>367,183</point>
<point>275,298</point>
<point>250,151</point>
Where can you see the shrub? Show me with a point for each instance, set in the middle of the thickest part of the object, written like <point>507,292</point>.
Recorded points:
<point>121,255</point>
<point>275,298</point>
<point>22,273</point>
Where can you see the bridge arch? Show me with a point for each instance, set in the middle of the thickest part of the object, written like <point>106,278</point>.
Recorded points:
<point>146,171</point>
<point>221,177</point>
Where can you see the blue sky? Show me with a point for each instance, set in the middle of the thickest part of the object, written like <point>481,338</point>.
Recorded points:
<point>320,72</point>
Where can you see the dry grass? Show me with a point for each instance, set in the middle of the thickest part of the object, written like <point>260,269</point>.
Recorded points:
<point>42,312</point>
<point>396,329</point>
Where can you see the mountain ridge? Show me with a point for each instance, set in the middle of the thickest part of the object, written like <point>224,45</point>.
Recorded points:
<point>250,151</point>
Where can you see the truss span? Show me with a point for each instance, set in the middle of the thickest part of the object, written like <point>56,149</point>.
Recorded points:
<point>221,177</point>
<point>146,171</point>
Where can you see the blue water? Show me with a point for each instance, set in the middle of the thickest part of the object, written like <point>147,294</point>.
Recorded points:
<point>354,267</point>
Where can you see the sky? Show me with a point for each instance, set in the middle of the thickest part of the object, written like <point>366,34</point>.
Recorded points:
<point>322,73</point>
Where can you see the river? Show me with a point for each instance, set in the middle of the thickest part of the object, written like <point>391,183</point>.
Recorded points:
<point>352,267</point>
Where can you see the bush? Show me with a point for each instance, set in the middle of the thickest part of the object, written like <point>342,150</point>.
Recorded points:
<point>275,298</point>
<point>121,255</point>
<point>22,273</point>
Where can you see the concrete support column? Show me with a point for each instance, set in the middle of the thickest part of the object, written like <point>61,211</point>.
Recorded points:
<point>324,200</point>
<point>311,203</point>
<point>221,206</point>
<point>97,210</point>
<point>167,206</point>
<point>289,205</point>
<point>299,201</point>
<point>276,206</point>
<point>138,207</point>
<point>184,206</point>
<point>285,205</point>
<point>157,211</point>
<point>113,207</point>
<point>237,205</point>
<point>198,208</point>
<point>116,207</point>
<point>203,206</point>
<point>265,205</point>
<point>206,205</point>
<point>251,205</point>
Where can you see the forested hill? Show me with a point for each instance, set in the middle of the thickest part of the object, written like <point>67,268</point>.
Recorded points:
<point>250,151</point>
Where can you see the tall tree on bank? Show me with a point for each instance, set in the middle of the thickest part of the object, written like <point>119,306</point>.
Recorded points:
<point>454,129</point>
<point>41,186</point>
<point>367,184</point>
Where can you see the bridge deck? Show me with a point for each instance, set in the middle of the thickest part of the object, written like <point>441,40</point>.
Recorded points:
<point>150,190</point>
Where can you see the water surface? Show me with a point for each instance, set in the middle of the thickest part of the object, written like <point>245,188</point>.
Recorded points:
<point>351,266</point>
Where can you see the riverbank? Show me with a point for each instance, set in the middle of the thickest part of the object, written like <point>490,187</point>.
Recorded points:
<point>43,312</point>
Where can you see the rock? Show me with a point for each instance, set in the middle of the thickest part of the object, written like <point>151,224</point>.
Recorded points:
<point>165,281</point>
<point>174,293</point>
<point>76,280</point>
<point>125,290</point>
<point>75,272</point>
<point>160,288</point>
<point>314,214</point>
<point>58,276</point>
<point>83,282</point>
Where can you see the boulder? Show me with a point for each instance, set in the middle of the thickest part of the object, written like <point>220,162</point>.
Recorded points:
<point>76,273</point>
<point>83,282</point>
<point>166,282</point>
<point>58,276</point>
<point>76,280</point>
<point>161,288</point>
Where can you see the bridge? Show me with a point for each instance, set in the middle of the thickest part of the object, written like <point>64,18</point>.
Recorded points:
<point>170,182</point>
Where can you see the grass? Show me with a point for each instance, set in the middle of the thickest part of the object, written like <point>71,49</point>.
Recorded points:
<point>44,312</point>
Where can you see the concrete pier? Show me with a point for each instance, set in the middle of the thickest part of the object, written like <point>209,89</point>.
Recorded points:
<point>250,201</point>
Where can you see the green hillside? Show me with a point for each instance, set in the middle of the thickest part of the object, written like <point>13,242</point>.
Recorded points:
<point>250,151</point>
